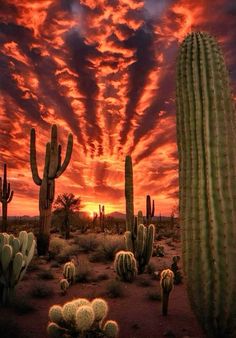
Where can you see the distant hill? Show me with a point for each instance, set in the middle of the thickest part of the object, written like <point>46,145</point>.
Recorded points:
<point>117,215</point>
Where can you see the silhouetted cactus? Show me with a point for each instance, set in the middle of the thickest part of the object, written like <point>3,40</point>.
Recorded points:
<point>125,265</point>
<point>150,209</point>
<point>81,318</point>
<point>206,124</point>
<point>15,256</point>
<point>52,170</point>
<point>167,283</point>
<point>6,195</point>
<point>102,217</point>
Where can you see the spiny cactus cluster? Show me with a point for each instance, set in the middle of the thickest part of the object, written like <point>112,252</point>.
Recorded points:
<point>52,170</point>
<point>81,318</point>
<point>15,256</point>
<point>6,195</point>
<point>206,124</point>
<point>125,265</point>
<point>138,238</point>
<point>167,283</point>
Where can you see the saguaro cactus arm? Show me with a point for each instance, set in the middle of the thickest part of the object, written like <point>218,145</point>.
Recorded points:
<point>33,160</point>
<point>66,161</point>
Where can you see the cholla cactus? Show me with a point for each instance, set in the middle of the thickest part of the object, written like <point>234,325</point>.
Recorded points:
<point>80,318</point>
<point>167,283</point>
<point>64,285</point>
<point>15,256</point>
<point>69,272</point>
<point>125,265</point>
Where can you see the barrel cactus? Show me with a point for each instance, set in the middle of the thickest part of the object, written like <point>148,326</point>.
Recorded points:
<point>81,318</point>
<point>64,285</point>
<point>206,124</point>
<point>125,265</point>
<point>15,256</point>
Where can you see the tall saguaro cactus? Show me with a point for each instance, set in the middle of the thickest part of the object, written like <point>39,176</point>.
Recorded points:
<point>206,124</point>
<point>53,168</point>
<point>6,195</point>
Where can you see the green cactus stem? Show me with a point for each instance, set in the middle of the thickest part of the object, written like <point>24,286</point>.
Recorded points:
<point>53,168</point>
<point>69,272</point>
<point>15,256</point>
<point>6,195</point>
<point>206,124</point>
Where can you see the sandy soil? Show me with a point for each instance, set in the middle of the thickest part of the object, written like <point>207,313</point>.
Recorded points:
<point>137,315</point>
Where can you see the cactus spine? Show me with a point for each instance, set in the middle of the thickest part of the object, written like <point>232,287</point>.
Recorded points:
<point>6,195</point>
<point>81,318</point>
<point>52,170</point>
<point>167,283</point>
<point>206,125</point>
<point>125,265</point>
<point>15,256</point>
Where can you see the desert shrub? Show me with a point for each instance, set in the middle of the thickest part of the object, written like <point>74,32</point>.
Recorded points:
<point>33,266</point>
<point>41,290</point>
<point>23,305</point>
<point>144,282</point>
<point>83,272</point>
<point>45,275</point>
<point>102,276</point>
<point>10,329</point>
<point>154,295</point>
<point>87,243</point>
<point>56,246</point>
<point>107,250</point>
<point>55,264</point>
<point>67,253</point>
<point>114,289</point>
<point>151,268</point>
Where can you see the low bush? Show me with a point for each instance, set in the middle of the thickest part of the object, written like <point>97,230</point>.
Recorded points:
<point>114,289</point>
<point>41,290</point>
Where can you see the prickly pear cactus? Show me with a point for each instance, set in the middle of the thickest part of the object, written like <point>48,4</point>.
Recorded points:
<point>206,124</point>
<point>81,318</point>
<point>15,256</point>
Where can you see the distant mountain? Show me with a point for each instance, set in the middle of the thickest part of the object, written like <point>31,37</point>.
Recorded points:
<point>117,215</point>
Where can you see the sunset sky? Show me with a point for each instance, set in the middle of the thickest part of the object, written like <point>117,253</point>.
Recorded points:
<point>105,71</point>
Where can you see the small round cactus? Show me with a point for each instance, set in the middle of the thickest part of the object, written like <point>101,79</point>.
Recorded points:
<point>100,308</point>
<point>69,311</point>
<point>111,329</point>
<point>64,285</point>
<point>80,317</point>
<point>84,317</point>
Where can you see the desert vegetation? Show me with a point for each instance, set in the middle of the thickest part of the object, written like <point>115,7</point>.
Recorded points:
<point>72,277</point>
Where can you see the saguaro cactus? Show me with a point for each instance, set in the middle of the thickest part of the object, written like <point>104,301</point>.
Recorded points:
<point>150,209</point>
<point>129,193</point>
<point>206,124</point>
<point>52,170</point>
<point>6,195</point>
<point>166,283</point>
<point>102,217</point>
